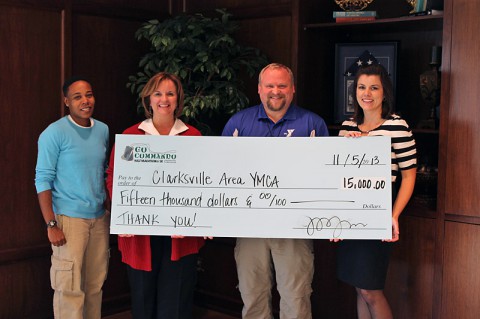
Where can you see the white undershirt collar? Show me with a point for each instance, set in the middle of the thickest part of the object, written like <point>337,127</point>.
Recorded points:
<point>92,122</point>
<point>149,129</point>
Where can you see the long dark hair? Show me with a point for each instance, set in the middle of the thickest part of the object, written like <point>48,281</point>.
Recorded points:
<point>388,99</point>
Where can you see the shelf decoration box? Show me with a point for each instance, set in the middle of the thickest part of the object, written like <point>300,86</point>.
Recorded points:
<point>354,14</point>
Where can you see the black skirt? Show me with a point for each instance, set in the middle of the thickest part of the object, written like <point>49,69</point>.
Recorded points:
<point>363,263</point>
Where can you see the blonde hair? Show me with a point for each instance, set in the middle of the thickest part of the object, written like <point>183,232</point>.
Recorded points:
<point>276,66</point>
<point>152,85</point>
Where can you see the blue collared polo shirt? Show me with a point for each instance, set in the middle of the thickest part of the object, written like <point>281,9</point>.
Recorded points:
<point>297,122</point>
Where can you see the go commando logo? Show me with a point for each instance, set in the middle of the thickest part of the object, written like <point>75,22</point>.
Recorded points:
<point>142,153</point>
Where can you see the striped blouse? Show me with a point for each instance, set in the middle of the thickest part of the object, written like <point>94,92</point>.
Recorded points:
<point>404,152</point>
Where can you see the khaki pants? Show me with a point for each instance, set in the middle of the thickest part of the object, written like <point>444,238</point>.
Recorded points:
<point>79,268</point>
<point>293,263</point>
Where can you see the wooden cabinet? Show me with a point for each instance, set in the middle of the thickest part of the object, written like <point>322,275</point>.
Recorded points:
<point>461,93</point>
<point>415,36</point>
<point>409,286</point>
<point>433,271</point>
<point>458,200</point>
<point>412,271</point>
<point>461,281</point>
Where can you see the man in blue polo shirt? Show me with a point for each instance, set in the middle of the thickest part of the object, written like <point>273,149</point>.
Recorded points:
<point>292,259</point>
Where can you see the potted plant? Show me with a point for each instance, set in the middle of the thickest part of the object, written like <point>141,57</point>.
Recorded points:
<point>204,54</point>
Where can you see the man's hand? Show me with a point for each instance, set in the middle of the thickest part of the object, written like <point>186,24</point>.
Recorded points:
<point>56,236</point>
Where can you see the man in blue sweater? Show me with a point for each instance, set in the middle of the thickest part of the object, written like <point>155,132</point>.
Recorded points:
<point>70,185</point>
<point>257,258</point>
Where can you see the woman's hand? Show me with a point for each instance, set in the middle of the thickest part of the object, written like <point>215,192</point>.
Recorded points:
<point>180,237</point>
<point>395,231</point>
<point>125,235</point>
<point>353,134</point>
<point>335,240</point>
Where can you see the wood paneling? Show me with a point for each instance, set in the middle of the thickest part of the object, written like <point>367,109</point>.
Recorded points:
<point>461,279</point>
<point>30,94</point>
<point>154,5</point>
<point>242,9</point>
<point>139,10</point>
<point>107,58</point>
<point>30,84</point>
<point>26,291</point>
<point>463,174</point>
<point>44,4</point>
<point>275,41</point>
<point>331,298</point>
<point>217,277</point>
<point>411,270</point>
<point>116,290</point>
<point>43,42</point>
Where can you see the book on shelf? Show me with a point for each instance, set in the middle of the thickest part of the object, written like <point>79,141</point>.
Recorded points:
<point>344,14</point>
<point>353,19</point>
<point>420,5</point>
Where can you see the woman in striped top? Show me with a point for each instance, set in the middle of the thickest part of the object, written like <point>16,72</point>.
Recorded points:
<point>364,263</point>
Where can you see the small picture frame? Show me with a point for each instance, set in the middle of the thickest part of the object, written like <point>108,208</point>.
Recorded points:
<point>346,55</point>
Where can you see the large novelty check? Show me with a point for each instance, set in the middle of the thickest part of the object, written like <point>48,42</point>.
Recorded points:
<point>327,187</point>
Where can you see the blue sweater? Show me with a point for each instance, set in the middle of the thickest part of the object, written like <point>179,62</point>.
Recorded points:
<point>71,163</point>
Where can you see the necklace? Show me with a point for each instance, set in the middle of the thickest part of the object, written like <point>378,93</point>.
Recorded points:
<point>374,128</point>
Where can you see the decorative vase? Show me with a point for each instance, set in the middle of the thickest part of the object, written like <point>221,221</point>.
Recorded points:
<point>430,89</point>
<point>413,4</point>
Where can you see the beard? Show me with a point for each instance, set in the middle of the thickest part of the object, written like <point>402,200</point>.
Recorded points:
<point>276,108</point>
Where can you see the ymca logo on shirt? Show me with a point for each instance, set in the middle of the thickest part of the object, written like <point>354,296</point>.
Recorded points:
<point>289,133</point>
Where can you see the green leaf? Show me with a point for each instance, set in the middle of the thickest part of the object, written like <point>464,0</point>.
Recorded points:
<point>203,52</point>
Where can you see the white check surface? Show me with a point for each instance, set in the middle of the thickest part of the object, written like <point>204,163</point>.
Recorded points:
<point>320,187</point>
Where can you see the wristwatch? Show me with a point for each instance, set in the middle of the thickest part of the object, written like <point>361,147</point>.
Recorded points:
<point>52,223</point>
